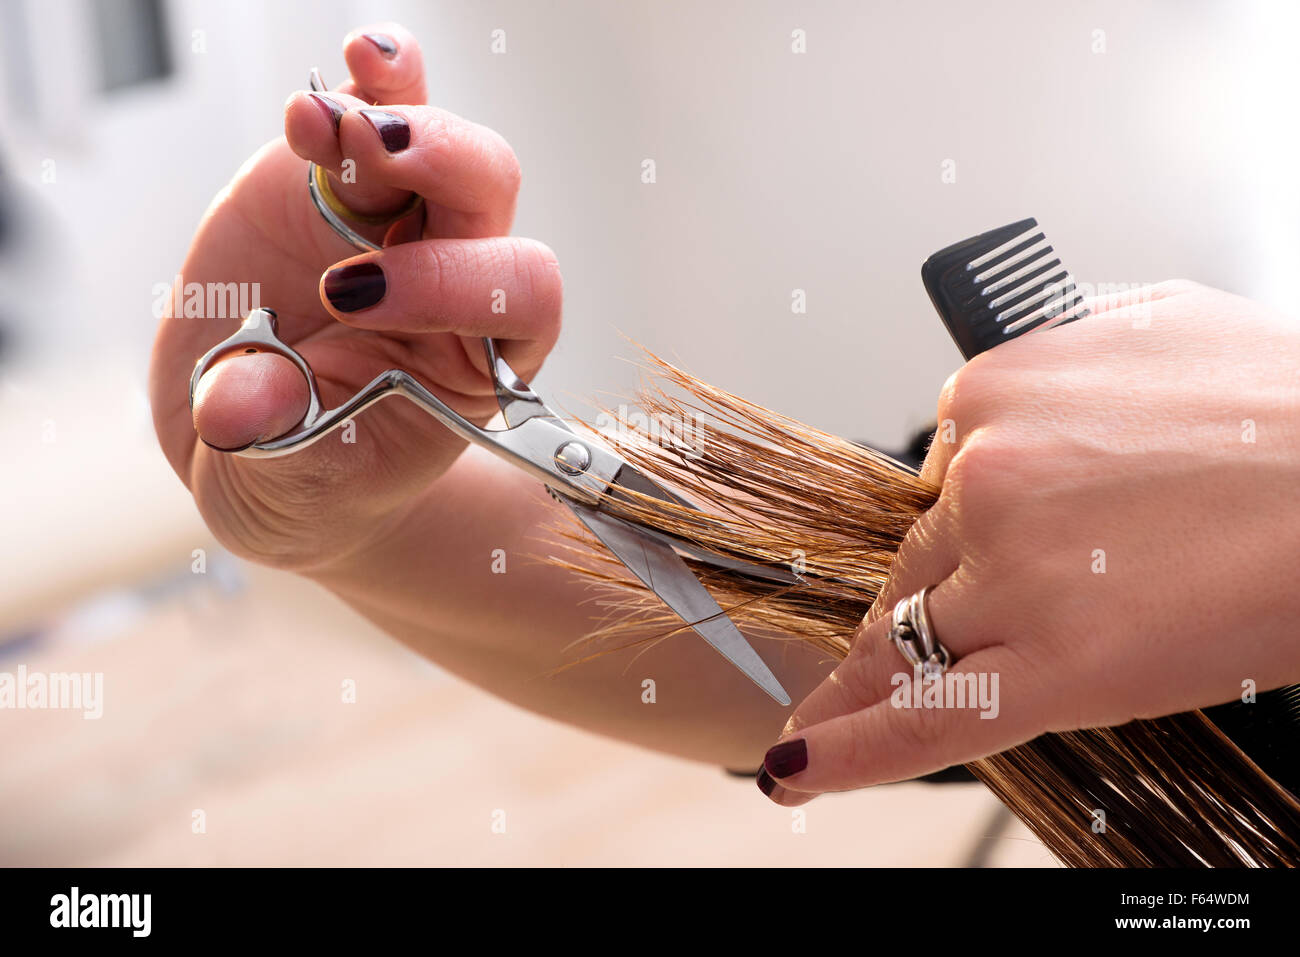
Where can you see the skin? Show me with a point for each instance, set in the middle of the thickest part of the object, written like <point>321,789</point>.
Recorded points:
<point>403,524</point>
<point>1174,447</point>
<point>1103,434</point>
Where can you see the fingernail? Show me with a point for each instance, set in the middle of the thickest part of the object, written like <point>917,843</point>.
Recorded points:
<point>383,43</point>
<point>333,109</point>
<point>766,783</point>
<point>392,129</point>
<point>787,758</point>
<point>218,448</point>
<point>356,286</point>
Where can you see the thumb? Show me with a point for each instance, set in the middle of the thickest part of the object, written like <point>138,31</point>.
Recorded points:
<point>249,398</point>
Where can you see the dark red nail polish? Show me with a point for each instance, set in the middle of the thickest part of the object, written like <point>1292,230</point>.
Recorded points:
<point>765,782</point>
<point>332,108</point>
<point>353,287</point>
<point>383,43</point>
<point>217,448</point>
<point>787,758</point>
<point>392,129</point>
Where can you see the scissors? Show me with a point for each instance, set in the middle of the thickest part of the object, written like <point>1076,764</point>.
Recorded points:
<point>579,472</point>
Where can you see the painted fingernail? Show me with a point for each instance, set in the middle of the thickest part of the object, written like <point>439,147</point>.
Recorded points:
<point>766,783</point>
<point>383,43</point>
<point>218,448</point>
<point>356,286</point>
<point>392,129</point>
<point>787,758</point>
<point>332,108</point>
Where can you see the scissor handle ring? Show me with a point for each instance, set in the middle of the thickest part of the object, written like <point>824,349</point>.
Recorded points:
<point>257,333</point>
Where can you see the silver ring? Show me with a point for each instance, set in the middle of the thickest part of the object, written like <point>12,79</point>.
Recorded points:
<point>913,637</point>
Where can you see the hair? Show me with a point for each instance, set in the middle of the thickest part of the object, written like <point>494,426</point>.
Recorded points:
<point>1175,791</point>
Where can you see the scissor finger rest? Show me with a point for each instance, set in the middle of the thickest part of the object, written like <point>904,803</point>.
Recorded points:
<point>541,444</point>
<point>257,334</point>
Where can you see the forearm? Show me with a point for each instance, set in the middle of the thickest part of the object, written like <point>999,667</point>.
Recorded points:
<point>463,580</point>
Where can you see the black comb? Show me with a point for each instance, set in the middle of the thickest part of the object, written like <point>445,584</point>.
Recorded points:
<point>1001,284</point>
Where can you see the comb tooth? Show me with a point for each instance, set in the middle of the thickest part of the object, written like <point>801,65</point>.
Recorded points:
<point>1026,278</point>
<point>1059,302</point>
<point>1035,283</point>
<point>1045,288</point>
<point>1042,261</point>
<point>1003,276</point>
<point>1037,292</point>
<point>1004,267</point>
<point>1077,304</point>
<point>1009,260</point>
<point>1004,249</point>
<point>1018,272</point>
<point>1074,309</point>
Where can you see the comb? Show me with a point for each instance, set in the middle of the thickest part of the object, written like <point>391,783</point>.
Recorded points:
<point>999,285</point>
<point>1004,283</point>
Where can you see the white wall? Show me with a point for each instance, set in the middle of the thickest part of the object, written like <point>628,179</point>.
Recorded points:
<point>1169,154</point>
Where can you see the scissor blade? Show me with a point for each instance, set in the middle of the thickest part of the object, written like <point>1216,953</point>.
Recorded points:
<point>664,573</point>
<point>768,573</point>
<point>630,477</point>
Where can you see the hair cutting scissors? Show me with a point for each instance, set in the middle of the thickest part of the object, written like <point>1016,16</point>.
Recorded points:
<point>579,471</point>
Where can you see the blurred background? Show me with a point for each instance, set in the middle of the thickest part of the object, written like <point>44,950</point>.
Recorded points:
<point>1152,141</point>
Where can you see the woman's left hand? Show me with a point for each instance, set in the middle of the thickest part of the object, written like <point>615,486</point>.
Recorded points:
<point>1116,538</point>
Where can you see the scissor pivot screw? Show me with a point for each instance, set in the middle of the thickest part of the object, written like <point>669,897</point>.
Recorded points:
<point>573,458</point>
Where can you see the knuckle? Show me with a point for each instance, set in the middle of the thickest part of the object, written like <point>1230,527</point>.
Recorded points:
<point>979,467</point>
<point>515,263</point>
<point>1170,288</point>
<point>437,144</point>
<point>486,150</point>
<point>985,484</point>
<point>948,395</point>
<point>968,391</point>
<point>431,268</point>
<point>861,752</point>
<point>918,731</point>
<point>537,271</point>
<point>509,172</point>
<point>856,675</point>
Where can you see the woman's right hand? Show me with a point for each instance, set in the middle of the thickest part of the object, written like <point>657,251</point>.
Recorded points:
<point>422,304</point>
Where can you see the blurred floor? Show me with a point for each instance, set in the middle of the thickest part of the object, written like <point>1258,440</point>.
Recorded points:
<point>223,693</point>
<point>232,705</point>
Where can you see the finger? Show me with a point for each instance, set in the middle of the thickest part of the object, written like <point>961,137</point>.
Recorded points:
<point>248,398</point>
<point>386,64</point>
<point>982,383</point>
<point>507,288</point>
<point>779,795</point>
<point>865,676</point>
<point>939,455</point>
<point>927,555</point>
<point>451,162</point>
<point>1134,301</point>
<point>901,737</point>
<point>954,424</point>
<point>311,125</point>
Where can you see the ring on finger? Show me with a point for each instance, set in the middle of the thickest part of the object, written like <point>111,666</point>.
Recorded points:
<point>912,634</point>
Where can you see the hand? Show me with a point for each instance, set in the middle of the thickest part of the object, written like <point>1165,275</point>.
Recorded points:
<point>1115,539</point>
<point>420,304</point>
